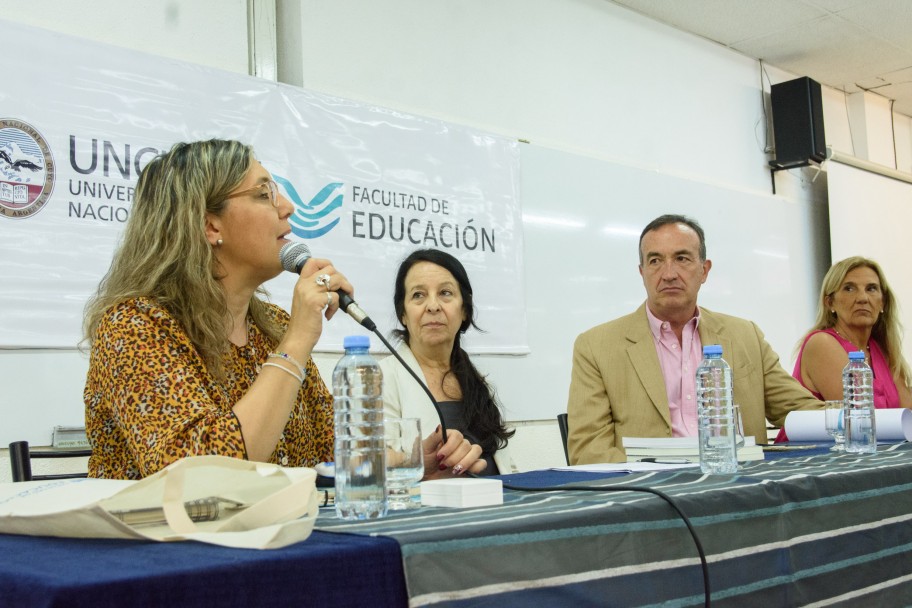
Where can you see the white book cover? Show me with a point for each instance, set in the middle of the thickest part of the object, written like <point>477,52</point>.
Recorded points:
<point>658,443</point>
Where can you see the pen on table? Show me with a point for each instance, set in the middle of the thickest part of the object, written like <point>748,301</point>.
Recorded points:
<point>666,460</point>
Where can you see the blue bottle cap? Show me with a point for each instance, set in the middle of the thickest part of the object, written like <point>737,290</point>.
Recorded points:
<point>356,342</point>
<point>712,349</point>
<point>857,355</point>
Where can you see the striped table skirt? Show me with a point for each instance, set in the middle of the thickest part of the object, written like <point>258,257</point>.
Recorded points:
<point>800,531</point>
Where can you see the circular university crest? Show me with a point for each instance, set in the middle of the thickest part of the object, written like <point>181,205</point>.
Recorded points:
<point>26,169</point>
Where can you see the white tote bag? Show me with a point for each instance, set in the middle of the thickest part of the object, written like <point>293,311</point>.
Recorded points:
<point>211,499</point>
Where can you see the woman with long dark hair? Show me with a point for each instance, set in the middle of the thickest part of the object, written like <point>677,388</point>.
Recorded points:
<point>434,302</point>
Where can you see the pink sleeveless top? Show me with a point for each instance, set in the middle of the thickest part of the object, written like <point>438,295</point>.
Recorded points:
<point>885,392</point>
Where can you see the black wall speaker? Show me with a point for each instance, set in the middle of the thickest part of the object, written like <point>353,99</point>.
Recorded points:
<point>798,123</point>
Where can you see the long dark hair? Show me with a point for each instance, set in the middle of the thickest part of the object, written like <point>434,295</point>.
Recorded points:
<point>482,413</point>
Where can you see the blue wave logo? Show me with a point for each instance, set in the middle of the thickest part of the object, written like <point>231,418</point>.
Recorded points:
<point>321,214</point>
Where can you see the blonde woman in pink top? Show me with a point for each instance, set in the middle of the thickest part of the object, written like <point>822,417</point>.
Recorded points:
<point>856,311</point>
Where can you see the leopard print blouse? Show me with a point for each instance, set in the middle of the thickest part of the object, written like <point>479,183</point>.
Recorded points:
<point>151,401</point>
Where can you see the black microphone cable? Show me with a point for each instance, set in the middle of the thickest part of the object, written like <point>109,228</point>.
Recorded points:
<point>704,566</point>
<point>443,429</point>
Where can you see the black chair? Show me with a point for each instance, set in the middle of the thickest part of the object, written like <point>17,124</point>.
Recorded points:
<point>564,431</point>
<point>21,461</point>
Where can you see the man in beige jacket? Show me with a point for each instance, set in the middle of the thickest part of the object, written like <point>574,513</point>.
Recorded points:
<point>635,376</point>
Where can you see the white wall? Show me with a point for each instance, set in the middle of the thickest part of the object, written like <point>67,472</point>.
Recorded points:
<point>578,75</point>
<point>209,32</point>
<point>871,124</point>
<point>903,133</point>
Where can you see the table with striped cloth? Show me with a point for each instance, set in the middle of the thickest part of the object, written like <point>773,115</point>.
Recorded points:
<point>806,530</point>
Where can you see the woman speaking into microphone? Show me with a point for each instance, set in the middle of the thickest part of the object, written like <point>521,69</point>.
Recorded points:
<point>186,357</point>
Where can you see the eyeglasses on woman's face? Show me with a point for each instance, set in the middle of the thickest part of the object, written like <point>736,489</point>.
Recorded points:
<point>265,191</point>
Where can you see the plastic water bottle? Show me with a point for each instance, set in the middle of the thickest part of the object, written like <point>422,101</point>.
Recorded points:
<point>858,395</point>
<point>360,454</point>
<point>716,423</point>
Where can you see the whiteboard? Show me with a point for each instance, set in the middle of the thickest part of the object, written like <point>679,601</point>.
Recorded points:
<point>582,218</point>
<point>871,216</point>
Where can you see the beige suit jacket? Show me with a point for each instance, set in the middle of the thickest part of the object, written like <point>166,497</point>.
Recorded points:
<point>617,389</point>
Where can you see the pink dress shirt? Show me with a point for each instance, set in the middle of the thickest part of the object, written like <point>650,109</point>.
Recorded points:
<point>679,363</point>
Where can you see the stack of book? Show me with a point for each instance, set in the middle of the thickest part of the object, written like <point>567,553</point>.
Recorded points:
<point>684,448</point>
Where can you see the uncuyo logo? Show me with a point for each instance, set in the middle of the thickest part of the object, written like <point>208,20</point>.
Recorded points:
<point>321,214</point>
<point>26,169</point>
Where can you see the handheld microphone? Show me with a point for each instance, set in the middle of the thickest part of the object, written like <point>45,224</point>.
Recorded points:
<point>295,255</point>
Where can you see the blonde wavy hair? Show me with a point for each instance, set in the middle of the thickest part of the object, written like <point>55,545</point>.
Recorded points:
<point>887,331</point>
<point>164,253</point>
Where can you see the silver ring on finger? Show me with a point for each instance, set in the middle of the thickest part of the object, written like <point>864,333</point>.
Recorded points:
<point>329,300</point>
<point>323,281</point>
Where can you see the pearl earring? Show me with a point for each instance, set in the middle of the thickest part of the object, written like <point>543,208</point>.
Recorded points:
<point>219,242</point>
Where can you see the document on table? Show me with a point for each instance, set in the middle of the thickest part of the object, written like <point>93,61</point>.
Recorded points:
<point>629,467</point>
<point>893,424</point>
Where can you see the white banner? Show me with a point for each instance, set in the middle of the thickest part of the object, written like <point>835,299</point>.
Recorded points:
<point>369,184</point>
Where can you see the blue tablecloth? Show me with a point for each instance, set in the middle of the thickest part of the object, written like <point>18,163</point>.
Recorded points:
<point>325,570</point>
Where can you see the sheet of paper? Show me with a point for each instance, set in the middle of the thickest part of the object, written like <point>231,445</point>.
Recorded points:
<point>893,424</point>
<point>625,467</point>
<point>669,442</point>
